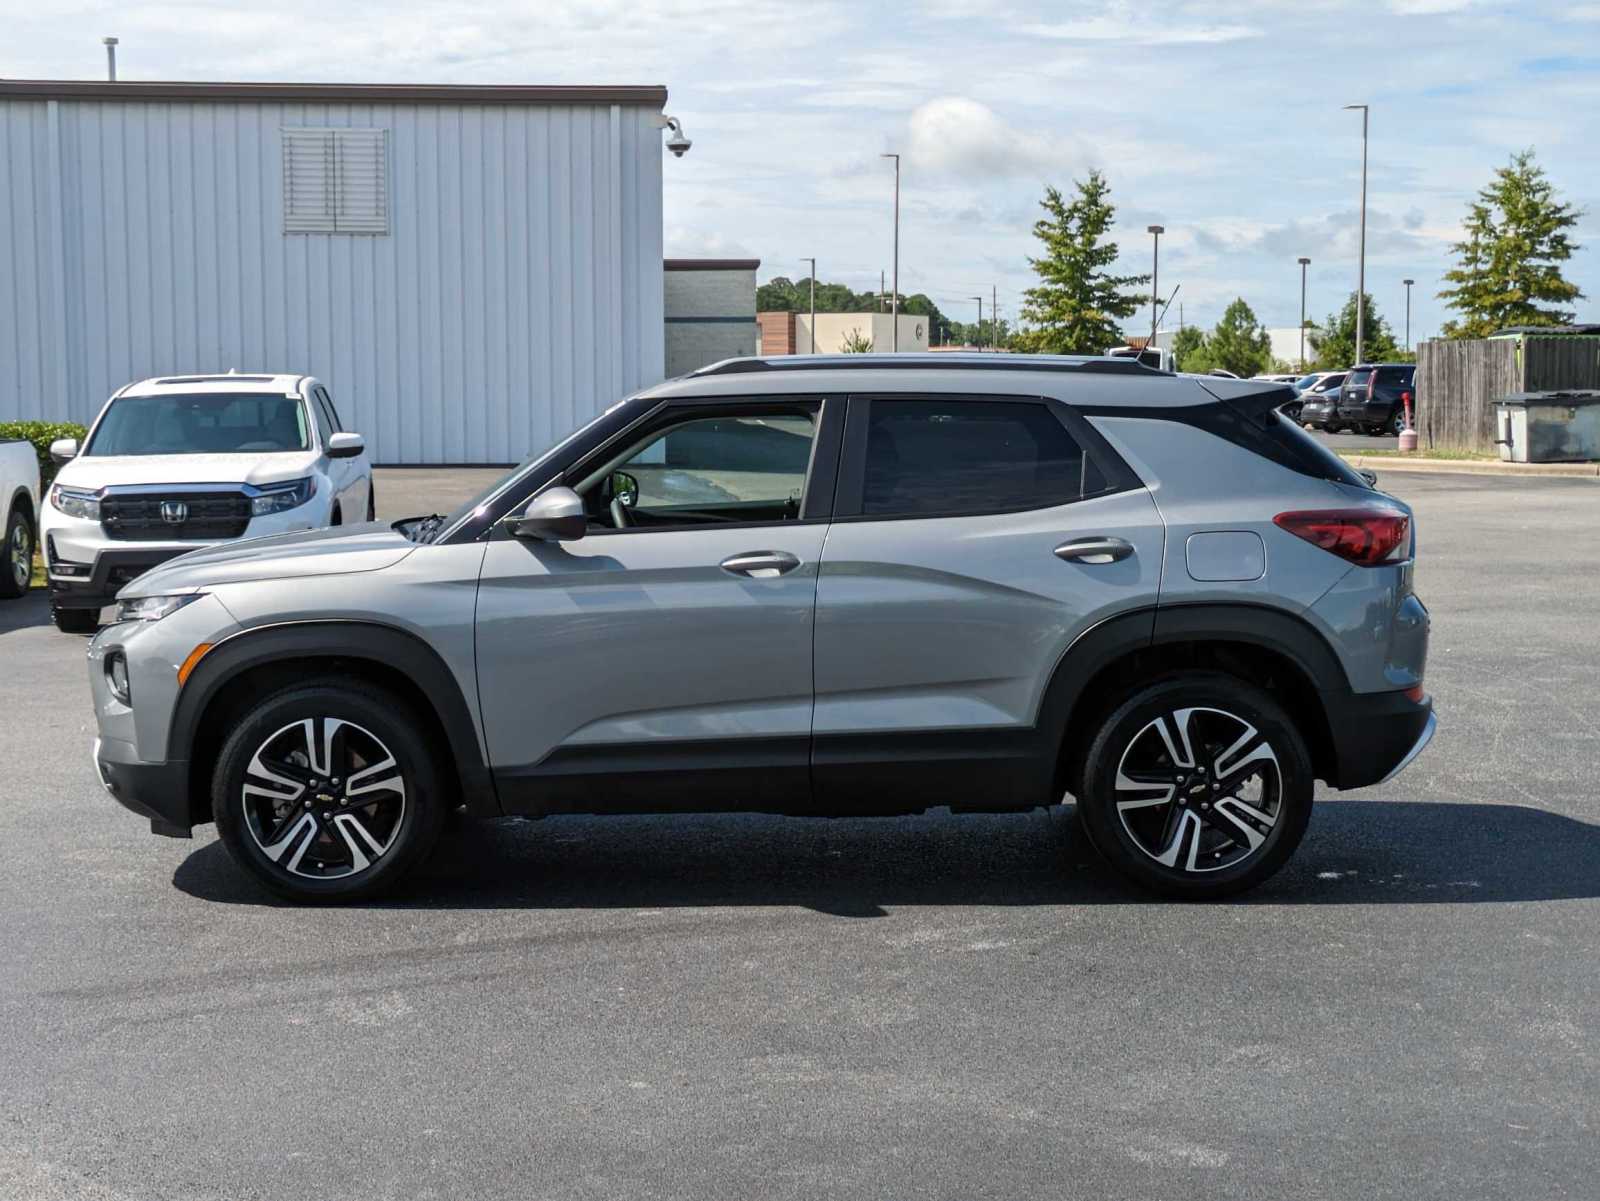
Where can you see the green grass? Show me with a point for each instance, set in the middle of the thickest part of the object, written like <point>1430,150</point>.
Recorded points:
<point>1475,456</point>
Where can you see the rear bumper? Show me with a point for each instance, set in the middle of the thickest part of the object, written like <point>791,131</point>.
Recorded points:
<point>158,792</point>
<point>1376,735</point>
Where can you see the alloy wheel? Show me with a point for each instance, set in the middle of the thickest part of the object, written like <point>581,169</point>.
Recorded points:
<point>323,798</point>
<point>1199,790</point>
<point>20,553</point>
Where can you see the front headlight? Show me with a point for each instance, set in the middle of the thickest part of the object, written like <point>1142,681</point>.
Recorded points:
<point>153,608</point>
<point>75,502</point>
<point>275,498</point>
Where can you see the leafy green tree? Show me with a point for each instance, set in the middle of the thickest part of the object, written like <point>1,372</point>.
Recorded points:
<point>1509,265</point>
<point>783,295</point>
<point>1078,306</point>
<point>1334,345</point>
<point>1239,344</point>
<point>1188,350</point>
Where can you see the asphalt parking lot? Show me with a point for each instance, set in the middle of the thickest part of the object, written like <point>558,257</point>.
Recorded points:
<point>737,1007</point>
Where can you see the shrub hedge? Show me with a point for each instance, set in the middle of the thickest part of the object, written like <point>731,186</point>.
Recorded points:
<point>41,434</point>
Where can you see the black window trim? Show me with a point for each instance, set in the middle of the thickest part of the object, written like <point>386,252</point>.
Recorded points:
<point>849,492</point>
<point>816,503</point>
<point>333,412</point>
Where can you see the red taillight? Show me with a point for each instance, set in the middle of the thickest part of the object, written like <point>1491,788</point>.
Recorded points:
<point>1414,694</point>
<point>1366,537</point>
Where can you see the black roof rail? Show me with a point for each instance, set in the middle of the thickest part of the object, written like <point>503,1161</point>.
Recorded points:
<point>930,362</point>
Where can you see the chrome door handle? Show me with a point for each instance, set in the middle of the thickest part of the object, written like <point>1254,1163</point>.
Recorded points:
<point>1094,550</point>
<point>760,564</point>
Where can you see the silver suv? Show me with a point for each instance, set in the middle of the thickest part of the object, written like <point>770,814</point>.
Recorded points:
<point>809,586</point>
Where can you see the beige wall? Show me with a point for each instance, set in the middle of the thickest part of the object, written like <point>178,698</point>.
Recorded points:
<point>833,328</point>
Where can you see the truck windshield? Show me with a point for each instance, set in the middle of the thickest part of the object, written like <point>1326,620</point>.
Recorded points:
<point>191,423</point>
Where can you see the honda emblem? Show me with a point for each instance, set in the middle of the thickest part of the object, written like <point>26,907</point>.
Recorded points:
<point>174,512</point>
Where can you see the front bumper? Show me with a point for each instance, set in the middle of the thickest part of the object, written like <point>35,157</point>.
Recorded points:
<point>105,577</point>
<point>158,792</point>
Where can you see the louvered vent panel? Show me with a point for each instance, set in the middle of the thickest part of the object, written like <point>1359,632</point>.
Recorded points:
<point>336,181</point>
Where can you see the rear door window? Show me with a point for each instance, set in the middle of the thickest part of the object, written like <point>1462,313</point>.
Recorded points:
<point>947,457</point>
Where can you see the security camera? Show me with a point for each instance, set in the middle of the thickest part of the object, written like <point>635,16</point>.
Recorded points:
<point>678,142</point>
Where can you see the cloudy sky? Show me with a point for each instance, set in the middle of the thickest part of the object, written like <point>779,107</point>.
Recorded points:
<point>1221,121</point>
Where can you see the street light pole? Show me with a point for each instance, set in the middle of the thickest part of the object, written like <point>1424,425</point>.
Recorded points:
<point>813,263</point>
<point>1304,263</point>
<point>1408,283</point>
<point>994,315</point>
<point>1361,269</point>
<point>979,299</point>
<point>894,307</point>
<point>1155,278</point>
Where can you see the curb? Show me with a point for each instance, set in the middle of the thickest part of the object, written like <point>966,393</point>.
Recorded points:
<point>1582,471</point>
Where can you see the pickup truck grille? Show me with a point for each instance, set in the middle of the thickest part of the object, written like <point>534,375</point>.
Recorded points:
<point>205,516</point>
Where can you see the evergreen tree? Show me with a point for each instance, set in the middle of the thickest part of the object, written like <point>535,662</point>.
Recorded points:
<point>1188,350</point>
<point>1077,307</point>
<point>1509,266</point>
<point>1239,344</point>
<point>1334,345</point>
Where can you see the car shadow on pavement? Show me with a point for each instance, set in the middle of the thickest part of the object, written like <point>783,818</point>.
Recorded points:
<point>33,609</point>
<point>1356,853</point>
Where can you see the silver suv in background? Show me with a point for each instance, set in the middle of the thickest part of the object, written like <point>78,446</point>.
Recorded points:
<point>804,586</point>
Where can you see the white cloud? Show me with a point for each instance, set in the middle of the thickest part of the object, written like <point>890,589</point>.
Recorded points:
<point>963,139</point>
<point>1417,8</point>
<point>1141,32</point>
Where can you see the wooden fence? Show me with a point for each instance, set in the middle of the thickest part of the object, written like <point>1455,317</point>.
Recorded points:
<point>1457,382</point>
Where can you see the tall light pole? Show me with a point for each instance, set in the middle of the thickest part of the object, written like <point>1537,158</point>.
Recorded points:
<point>1304,263</point>
<point>1361,269</point>
<point>1408,283</point>
<point>111,58</point>
<point>979,299</point>
<point>994,316</point>
<point>894,307</point>
<point>1155,277</point>
<point>813,263</point>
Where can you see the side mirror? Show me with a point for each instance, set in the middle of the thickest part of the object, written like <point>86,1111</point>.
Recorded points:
<point>345,446</point>
<point>624,489</point>
<point>555,515</point>
<point>1370,476</point>
<point>63,449</point>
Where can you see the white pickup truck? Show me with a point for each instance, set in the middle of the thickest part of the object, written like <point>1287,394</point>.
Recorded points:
<point>19,515</point>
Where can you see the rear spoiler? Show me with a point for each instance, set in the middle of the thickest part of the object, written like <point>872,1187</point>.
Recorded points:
<point>1251,399</point>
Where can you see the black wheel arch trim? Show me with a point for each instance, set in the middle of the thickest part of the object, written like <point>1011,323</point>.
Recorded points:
<point>384,645</point>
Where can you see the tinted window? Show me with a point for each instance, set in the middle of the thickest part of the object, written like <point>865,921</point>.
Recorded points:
<point>926,457</point>
<point>189,423</point>
<point>333,413</point>
<point>1356,381</point>
<point>319,411</point>
<point>712,461</point>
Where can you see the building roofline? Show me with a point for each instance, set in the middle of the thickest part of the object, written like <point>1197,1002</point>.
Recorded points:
<point>358,93</point>
<point>711,264</point>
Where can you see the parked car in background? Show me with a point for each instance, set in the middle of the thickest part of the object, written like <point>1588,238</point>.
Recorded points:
<point>805,586</point>
<point>1158,358</point>
<point>19,515</point>
<point>1373,395</point>
<point>187,461</point>
<point>1281,378</point>
<point>1319,401</point>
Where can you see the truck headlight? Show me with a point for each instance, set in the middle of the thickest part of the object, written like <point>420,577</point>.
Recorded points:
<point>275,498</point>
<point>153,608</point>
<point>75,502</point>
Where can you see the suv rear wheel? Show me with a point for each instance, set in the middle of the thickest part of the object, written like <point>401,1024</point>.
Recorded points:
<point>327,792</point>
<point>1197,786</point>
<point>17,573</point>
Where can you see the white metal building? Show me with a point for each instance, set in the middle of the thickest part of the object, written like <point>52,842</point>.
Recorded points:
<point>472,270</point>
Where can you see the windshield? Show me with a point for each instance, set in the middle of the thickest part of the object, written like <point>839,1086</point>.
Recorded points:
<point>1305,381</point>
<point>197,423</point>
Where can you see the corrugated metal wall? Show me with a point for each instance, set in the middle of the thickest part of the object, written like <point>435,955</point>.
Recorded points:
<point>518,291</point>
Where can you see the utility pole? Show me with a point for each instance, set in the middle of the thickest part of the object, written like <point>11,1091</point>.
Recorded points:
<point>1155,278</point>
<point>979,299</point>
<point>1361,268</point>
<point>1408,283</point>
<point>813,263</point>
<point>111,58</point>
<point>994,315</point>
<point>1304,263</point>
<point>894,297</point>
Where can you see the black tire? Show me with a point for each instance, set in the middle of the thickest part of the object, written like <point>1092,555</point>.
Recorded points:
<point>336,517</point>
<point>1397,423</point>
<point>75,621</point>
<point>356,726</point>
<point>1219,842</point>
<point>1332,427</point>
<point>16,555</point>
<point>372,503</point>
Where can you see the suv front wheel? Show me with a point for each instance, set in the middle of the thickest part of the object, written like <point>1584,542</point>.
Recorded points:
<point>327,792</point>
<point>1197,786</point>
